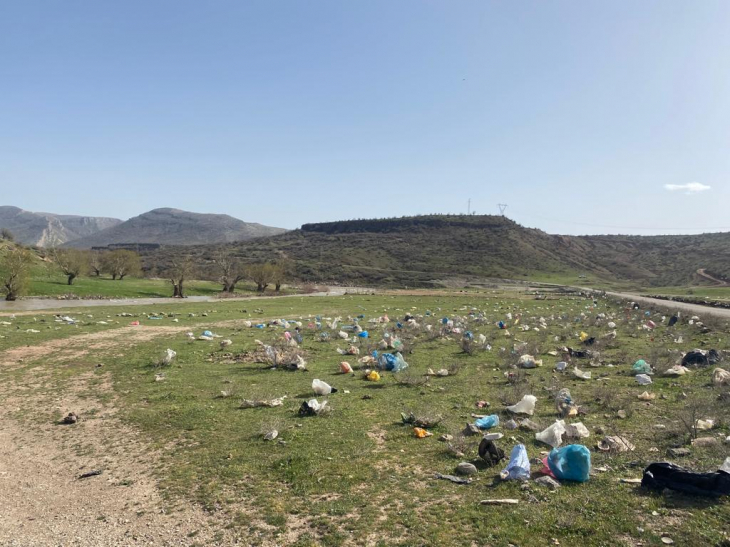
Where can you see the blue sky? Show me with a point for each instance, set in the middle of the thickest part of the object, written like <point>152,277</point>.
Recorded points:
<point>576,114</point>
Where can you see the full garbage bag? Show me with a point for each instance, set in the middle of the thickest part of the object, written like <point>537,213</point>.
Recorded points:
<point>572,463</point>
<point>525,406</point>
<point>518,467</point>
<point>642,367</point>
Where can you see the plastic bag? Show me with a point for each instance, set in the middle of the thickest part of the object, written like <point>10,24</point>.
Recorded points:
<point>659,476</point>
<point>676,370</point>
<point>642,367</point>
<point>643,379</point>
<point>487,422</point>
<point>528,361</point>
<point>720,377</point>
<point>387,361</point>
<point>577,431</point>
<point>552,435</point>
<point>581,375</point>
<point>518,467</point>
<point>525,406</point>
<point>322,388</point>
<point>490,452</point>
<point>572,463</point>
<point>168,357</point>
<point>312,407</point>
<point>345,367</point>
<point>373,376</point>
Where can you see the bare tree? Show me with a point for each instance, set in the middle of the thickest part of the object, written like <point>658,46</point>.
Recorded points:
<point>7,235</point>
<point>230,271</point>
<point>262,274</point>
<point>121,263</point>
<point>15,265</point>
<point>281,270</point>
<point>96,262</point>
<point>180,269</point>
<point>72,262</point>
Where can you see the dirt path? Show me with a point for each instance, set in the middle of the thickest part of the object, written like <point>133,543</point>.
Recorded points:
<point>694,309</point>
<point>43,501</point>
<point>718,282</point>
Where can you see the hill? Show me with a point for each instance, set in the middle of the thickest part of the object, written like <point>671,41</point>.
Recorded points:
<point>175,227</point>
<point>44,229</point>
<point>427,250</point>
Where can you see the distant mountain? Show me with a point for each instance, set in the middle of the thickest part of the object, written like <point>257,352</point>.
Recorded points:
<point>176,227</point>
<point>429,250</point>
<point>46,229</point>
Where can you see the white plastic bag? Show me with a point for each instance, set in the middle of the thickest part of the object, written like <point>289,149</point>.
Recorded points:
<point>580,374</point>
<point>553,435</point>
<point>643,379</point>
<point>169,357</point>
<point>577,431</point>
<point>320,387</point>
<point>525,406</point>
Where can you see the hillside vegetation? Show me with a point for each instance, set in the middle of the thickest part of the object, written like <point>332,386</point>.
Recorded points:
<point>426,250</point>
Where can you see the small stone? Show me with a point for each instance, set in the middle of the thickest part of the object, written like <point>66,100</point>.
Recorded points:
<point>550,482</point>
<point>679,452</point>
<point>621,414</point>
<point>466,468</point>
<point>446,438</point>
<point>271,435</point>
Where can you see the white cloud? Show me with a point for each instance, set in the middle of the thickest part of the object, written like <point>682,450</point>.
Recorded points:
<point>689,188</point>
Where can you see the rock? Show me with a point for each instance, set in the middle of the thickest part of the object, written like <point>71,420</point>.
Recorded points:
<point>679,452</point>
<point>470,430</point>
<point>271,435</point>
<point>529,425</point>
<point>621,414</point>
<point>71,418</point>
<point>446,438</point>
<point>550,482</point>
<point>466,468</point>
<point>705,441</point>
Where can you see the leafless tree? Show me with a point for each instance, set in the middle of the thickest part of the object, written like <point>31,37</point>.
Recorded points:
<point>262,274</point>
<point>230,270</point>
<point>15,265</point>
<point>121,263</point>
<point>181,268</point>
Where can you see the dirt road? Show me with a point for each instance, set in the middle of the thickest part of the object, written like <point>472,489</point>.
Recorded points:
<point>694,309</point>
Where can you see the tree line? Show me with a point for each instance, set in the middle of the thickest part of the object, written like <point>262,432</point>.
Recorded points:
<point>16,265</point>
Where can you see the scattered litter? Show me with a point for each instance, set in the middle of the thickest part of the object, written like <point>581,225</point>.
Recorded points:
<point>322,388</point>
<point>94,473</point>
<point>572,462</point>
<point>518,467</point>
<point>313,408</point>
<point>552,435</point>
<point>659,476</point>
<point>268,403</point>
<point>615,443</point>
<point>452,478</point>
<point>70,418</point>
<point>487,422</point>
<point>500,502</point>
<point>490,452</point>
<point>421,433</point>
<point>643,379</point>
<point>580,374</point>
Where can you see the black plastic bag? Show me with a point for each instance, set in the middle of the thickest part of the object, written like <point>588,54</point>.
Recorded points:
<point>490,452</point>
<point>667,475</point>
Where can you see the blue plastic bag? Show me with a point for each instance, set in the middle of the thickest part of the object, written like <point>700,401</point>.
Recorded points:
<point>518,467</point>
<point>207,333</point>
<point>570,463</point>
<point>387,361</point>
<point>445,320</point>
<point>487,422</point>
<point>363,334</point>
<point>468,335</point>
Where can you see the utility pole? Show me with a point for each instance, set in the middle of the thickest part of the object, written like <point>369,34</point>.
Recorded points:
<point>502,208</point>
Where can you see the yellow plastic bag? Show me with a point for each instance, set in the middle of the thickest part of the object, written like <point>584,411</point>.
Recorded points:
<point>421,433</point>
<point>374,376</point>
<point>583,336</point>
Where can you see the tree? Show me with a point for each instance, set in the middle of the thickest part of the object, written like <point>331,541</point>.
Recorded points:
<point>15,265</point>
<point>7,235</point>
<point>262,274</point>
<point>97,260</point>
<point>281,270</point>
<point>121,263</point>
<point>180,269</point>
<point>72,262</point>
<point>230,271</point>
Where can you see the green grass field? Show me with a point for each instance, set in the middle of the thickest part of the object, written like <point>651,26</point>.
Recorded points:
<point>358,475</point>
